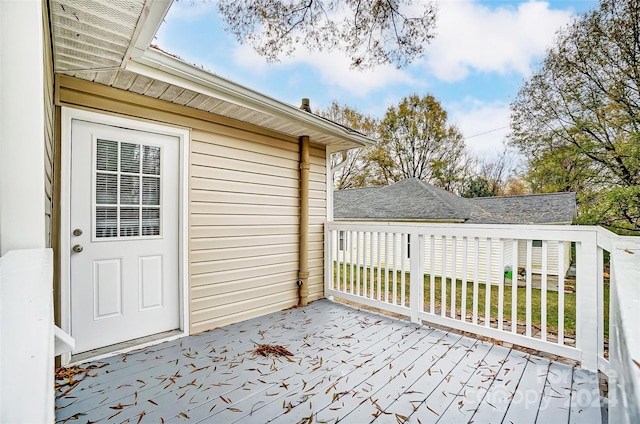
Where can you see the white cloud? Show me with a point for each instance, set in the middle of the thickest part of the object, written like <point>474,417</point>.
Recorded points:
<point>472,36</point>
<point>332,68</point>
<point>484,125</point>
<point>190,10</point>
<point>496,38</point>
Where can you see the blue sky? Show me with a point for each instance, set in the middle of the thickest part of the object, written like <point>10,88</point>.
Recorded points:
<point>482,52</point>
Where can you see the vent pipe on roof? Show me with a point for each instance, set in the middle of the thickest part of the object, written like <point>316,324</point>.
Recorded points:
<point>306,105</point>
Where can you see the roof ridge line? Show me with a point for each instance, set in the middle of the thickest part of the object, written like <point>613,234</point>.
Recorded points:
<point>451,206</point>
<point>555,193</point>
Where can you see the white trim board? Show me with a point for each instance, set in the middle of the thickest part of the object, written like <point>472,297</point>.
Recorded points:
<point>184,136</point>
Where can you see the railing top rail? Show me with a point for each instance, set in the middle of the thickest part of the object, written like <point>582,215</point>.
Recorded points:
<point>577,233</point>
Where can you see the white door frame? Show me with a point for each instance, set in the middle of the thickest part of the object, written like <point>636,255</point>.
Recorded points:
<point>183,135</point>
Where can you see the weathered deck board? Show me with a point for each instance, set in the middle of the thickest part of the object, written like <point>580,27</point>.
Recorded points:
<point>348,365</point>
<point>363,375</point>
<point>488,404</point>
<point>586,403</point>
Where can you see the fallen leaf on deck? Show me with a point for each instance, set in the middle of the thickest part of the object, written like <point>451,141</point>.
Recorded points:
<point>120,406</point>
<point>275,350</point>
<point>401,418</point>
<point>74,417</point>
<point>432,410</point>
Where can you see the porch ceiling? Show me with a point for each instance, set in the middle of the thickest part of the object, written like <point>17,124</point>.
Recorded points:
<point>107,42</point>
<point>92,35</point>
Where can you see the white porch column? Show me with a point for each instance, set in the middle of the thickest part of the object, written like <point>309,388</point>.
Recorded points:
<point>22,179</point>
<point>22,208</point>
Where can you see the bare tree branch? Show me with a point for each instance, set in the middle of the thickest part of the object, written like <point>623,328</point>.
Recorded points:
<point>371,32</point>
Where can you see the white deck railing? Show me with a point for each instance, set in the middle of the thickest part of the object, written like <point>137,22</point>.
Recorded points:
<point>624,348</point>
<point>27,337</point>
<point>29,340</point>
<point>437,273</point>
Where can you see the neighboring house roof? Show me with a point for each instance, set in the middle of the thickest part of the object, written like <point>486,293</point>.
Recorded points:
<point>109,43</point>
<point>407,200</point>
<point>552,208</point>
<point>414,200</point>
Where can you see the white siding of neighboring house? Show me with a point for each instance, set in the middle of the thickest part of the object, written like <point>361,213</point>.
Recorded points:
<point>552,257</point>
<point>361,252</point>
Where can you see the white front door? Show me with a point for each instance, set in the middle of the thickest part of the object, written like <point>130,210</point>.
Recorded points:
<point>124,234</point>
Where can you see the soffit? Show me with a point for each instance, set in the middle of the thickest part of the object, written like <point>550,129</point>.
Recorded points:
<point>92,34</point>
<point>92,40</point>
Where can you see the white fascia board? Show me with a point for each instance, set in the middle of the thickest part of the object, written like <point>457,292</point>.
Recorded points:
<point>151,18</point>
<point>163,67</point>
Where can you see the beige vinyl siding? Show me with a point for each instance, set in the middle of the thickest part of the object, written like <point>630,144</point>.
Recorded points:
<point>317,219</point>
<point>48,125</point>
<point>244,200</point>
<point>244,226</point>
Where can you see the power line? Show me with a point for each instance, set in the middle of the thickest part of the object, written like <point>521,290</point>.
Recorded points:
<point>486,132</point>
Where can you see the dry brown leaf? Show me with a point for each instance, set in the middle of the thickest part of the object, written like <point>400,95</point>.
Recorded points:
<point>275,350</point>
<point>120,406</point>
<point>74,417</point>
<point>432,410</point>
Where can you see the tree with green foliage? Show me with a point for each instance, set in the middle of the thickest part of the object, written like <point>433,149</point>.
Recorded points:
<point>493,177</point>
<point>476,187</point>
<point>371,32</point>
<point>417,141</point>
<point>577,119</point>
<point>355,170</point>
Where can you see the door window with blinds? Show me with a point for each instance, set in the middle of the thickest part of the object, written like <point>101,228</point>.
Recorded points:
<point>127,190</point>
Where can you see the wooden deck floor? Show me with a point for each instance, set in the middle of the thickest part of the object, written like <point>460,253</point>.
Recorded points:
<point>348,365</point>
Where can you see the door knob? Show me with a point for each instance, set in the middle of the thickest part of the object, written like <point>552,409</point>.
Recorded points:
<point>77,248</point>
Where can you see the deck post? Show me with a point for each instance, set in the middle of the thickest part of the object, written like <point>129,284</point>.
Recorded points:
<point>587,306</point>
<point>27,343</point>
<point>22,120</point>
<point>416,280</point>
<point>328,259</point>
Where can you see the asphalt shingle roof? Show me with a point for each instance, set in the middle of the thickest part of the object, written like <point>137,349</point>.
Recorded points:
<point>552,208</point>
<point>414,200</point>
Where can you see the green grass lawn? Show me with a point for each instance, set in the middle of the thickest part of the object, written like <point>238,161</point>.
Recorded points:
<point>536,300</point>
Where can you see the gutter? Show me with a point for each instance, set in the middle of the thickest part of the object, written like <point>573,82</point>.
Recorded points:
<point>163,67</point>
<point>152,16</point>
<point>409,220</point>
